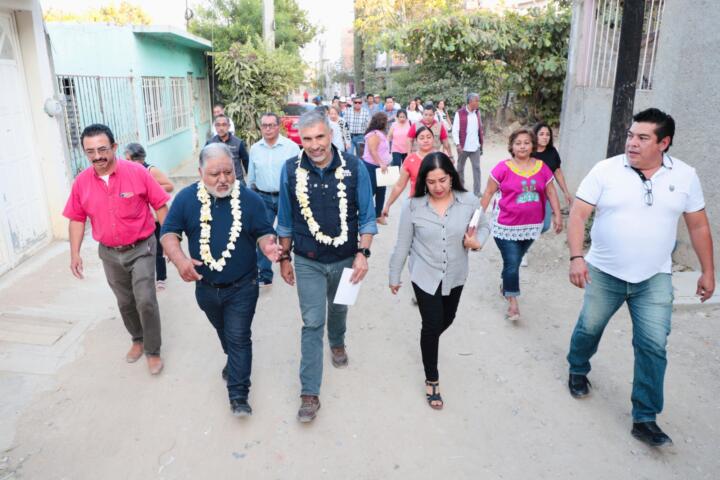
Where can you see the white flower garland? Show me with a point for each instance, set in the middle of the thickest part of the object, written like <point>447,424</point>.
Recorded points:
<point>206,216</point>
<point>301,192</point>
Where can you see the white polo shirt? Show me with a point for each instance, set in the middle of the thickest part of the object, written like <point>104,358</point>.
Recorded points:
<point>632,240</point>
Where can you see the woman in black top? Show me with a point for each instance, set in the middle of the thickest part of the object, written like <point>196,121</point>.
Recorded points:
<point>549,155</point>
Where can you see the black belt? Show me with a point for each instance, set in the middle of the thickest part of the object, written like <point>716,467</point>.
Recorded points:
<point>223,285</point>
<point>125,248</point>
<point>267,193</point>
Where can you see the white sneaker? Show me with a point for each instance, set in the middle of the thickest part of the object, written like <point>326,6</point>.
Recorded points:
<point>524,261</point>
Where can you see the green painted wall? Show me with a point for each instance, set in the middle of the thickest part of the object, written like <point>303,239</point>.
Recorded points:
<point>102,50</point>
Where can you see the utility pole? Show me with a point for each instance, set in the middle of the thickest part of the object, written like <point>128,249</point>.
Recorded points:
<point>626,76</point>
<point>269,24</point>
<point>358,57</point>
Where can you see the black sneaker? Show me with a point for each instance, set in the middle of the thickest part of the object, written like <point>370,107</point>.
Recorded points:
<point>578,385</point>
<point>240,407</point>
<point>650,433</point>
<point>224,373</point>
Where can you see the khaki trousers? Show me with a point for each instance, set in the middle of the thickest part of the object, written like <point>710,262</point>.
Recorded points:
<point>131,276</point>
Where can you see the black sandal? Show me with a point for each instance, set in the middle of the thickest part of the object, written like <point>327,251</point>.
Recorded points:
<point>434,396</point>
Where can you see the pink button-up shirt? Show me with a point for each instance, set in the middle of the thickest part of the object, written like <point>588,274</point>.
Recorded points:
<point>119,211</point>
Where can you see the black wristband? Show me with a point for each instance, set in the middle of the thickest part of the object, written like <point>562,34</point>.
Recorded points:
<point>576,256</point>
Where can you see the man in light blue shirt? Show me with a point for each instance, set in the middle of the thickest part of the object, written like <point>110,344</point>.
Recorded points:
<point>267,158</point>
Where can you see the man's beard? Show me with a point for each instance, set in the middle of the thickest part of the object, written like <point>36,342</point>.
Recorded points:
<point>213,191</point>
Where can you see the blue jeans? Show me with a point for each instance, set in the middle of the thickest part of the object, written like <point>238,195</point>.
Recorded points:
<point>512,252</point>
<point>547,223</point>
<point>378,192</point>
<point>355,139</point>
<point>398,158</point>
<point>231,310</point>
<point>265,272</point>
<point>316,286</point>
<point>650,305</point>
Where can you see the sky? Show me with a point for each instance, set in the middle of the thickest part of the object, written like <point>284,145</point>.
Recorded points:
<point>333,16</point>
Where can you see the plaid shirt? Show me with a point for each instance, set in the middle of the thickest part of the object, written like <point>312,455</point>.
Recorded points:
<point>357,122</point>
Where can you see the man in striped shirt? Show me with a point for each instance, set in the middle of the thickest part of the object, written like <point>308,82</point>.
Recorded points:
<point>357,120</point>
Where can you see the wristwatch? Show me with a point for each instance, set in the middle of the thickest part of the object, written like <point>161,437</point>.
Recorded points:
<point>364,251</point>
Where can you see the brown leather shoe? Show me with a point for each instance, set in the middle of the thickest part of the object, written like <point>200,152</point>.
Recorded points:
<point>135,352</point>
<point>155,364</point>
<point>339,357</point>
<point>308,408</point>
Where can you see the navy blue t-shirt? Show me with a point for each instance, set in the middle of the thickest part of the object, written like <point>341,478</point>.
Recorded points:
<point>184,217</point>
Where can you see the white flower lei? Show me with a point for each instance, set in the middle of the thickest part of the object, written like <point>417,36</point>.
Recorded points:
<point>301,192</point>
<point>206,216</point>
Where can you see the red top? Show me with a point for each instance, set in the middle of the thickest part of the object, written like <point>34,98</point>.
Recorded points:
<point>412,166</point>
<point>120,210</point>
<point>433,126</point>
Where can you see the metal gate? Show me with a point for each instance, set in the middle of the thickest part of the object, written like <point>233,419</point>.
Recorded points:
<point>96,99</point>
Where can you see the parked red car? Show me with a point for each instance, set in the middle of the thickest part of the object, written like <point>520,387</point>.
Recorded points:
<point>291,114</point>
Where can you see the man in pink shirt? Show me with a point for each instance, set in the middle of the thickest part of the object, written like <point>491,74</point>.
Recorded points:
<point>117,196</point>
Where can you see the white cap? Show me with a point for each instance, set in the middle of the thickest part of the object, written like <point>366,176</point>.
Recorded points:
<point>343,99</point>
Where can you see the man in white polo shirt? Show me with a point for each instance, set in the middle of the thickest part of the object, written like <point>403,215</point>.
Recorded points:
<point>638,198</point>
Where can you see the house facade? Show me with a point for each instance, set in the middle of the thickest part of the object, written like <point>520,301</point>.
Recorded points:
<point>678,72</point>
<point>148,83</point>
<point>34,168</point>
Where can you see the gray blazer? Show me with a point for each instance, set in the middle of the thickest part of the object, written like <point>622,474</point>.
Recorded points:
<point>434,243</point>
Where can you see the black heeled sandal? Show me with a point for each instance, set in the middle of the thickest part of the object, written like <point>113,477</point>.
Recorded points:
<point>434,396</point>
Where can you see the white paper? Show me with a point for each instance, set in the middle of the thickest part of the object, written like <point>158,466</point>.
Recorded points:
<point>475,219</point>
<point>389,178</point>
<point>346,292</point>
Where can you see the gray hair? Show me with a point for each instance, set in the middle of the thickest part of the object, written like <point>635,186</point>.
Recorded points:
<point>472,96</point>
<point>311,118</point>
<point>136,151</point>
<point>214,150</point>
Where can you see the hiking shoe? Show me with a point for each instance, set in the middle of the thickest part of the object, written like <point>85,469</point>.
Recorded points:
<point>339,357</point>
<point>308,408</point>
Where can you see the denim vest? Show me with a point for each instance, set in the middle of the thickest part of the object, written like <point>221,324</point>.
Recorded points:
<point>324,203</point>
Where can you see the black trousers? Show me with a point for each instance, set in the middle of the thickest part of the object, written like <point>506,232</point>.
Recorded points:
<point>437,312</point>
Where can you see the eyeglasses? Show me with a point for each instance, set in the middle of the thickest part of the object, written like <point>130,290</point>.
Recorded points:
<point>99,151</point>
<point>268,125</point>
<point>357,103</point>
<point>647,183</point>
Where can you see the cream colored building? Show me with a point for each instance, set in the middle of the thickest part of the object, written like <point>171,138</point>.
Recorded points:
<point>34,171</point>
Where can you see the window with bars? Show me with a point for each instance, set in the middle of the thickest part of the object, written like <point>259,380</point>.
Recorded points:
<point>204,99</point>
<point>603,42</point>
<point>155,107</point>
<point>180,105</point>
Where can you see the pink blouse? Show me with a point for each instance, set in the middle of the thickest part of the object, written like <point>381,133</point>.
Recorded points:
<point>521,209</point>
<point>400,137</point>
<point>383,149</point>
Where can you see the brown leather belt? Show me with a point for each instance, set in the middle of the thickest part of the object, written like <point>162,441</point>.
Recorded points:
<point>125,248</point>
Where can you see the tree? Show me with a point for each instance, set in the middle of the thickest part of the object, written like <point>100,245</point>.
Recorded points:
<point>254,81</point>
<point>125,14</point>
<point>225,22</point>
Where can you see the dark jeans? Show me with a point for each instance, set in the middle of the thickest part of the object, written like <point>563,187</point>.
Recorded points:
<point>437,312</point>
<point>650,306</point>
<point>398,158</point>
<point>512,252</point>
<point>160,265</point>
<point>231,310</point>
<point>378,192</point>
<point>264,265</point>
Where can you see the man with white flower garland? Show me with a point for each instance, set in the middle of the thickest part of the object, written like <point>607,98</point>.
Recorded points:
<point>325,206</point>
<point>223,221</point>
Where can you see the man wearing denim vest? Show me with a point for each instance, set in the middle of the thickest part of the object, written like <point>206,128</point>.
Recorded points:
<point>326,215</point>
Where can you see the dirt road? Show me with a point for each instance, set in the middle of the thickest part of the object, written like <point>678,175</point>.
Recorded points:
<point>508,414</point>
